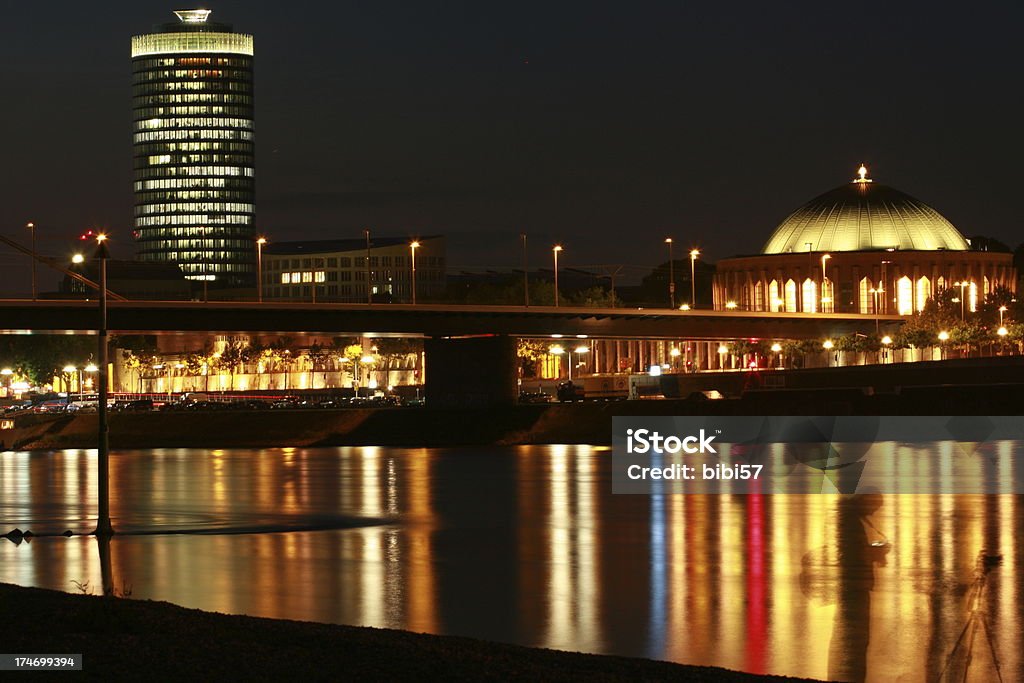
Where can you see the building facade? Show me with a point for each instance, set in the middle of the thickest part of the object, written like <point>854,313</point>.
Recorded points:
<point>340,270</point>
<point>193,144</point>
<point>861,248</point>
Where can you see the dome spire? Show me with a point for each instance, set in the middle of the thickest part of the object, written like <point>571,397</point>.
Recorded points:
<point>862,172</point>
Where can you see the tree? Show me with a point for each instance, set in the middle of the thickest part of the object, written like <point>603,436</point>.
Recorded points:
<point>530,353</point>
<point>39,358</point>
<point>593,297</point>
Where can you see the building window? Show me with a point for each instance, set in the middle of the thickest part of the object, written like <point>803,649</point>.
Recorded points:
<point>904,296</point>
<point>319,276</point>
<point>759,296</point>
<point>866,296</point>
<point>286,278</point>
<point>924,292</point>
<point>791,296</point>
<point>810,296</point>
<point>972,297</point>
<point>774,299</point>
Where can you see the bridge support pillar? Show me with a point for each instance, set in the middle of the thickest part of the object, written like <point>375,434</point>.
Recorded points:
<point>471,371</point>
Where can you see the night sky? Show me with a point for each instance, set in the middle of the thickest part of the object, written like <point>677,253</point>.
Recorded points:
<point>604,126</point>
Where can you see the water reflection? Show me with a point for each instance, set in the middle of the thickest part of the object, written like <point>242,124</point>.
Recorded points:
<point>528,545</point>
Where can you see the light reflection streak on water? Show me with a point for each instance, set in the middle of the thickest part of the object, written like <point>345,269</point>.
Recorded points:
<point>719,580</point>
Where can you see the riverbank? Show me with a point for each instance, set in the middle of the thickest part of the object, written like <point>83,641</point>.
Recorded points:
<point>124,639</point>
<point>562,423</point>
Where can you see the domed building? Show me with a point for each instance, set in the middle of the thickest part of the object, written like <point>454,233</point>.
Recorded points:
<point>860,248</point>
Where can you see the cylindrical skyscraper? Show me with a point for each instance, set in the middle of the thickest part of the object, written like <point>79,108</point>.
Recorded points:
<point>192,100</point>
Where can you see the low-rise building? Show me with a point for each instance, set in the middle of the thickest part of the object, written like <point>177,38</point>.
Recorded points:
<point>354,270</point>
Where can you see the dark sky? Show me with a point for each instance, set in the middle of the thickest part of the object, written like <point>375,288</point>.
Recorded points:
<point>605,126</point>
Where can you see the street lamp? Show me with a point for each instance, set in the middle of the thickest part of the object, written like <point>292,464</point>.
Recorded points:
<point>558,350</point>
<point>104,528</point>
<point>526,274</point>
<point>674,353</point>
<point>580,350</point>
<point>875,292</point>
<point>71,370</point>
<point>413,246</point>
<point>731,305</point>
<point>77,259</point>
<point>671,276</point>
<point>693,282</point>
<point>1002,309</point>
<point>886,341</point>
<point>260,241</point>
<point>32,229</point>
<point>963,284</point>
<point>554,250</point>
<point>722,350</point>
<point>828,346</point>
<point>777,350</point>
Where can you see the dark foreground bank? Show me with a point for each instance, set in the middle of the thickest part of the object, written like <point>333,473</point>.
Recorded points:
<point>123,639</point>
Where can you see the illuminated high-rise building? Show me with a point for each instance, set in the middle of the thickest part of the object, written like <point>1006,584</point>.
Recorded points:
<point>192,100</point>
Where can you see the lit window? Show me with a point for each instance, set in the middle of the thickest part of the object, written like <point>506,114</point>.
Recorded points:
<point>791,296</point>
<point>924,292</point>
<point>286,278</point>
<point>774,299</point>
<point>307,276</point>
<point>319,276</point>
<point>972,297</point>
<point>866,295</point>
<point>810,296</point>
<point>904,296</point>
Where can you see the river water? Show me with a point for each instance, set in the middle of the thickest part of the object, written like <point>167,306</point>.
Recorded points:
<point>528,545</point>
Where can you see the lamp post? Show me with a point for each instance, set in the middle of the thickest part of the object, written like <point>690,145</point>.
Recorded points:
<point>580,350</point>
<point>963,284</point>
<point>369,289</point>
<point>777,350</point>
<point>886,341</point>
<point>722,350</point>
<point>875,291</point>
<point>671,276</point>
<point>557,350</point>
<point>828,346</point>
<point>260,241</point>
<point>71,370</point>
<point>826,297</point>
<point>32,229</point>
<point>883,284</point>
<point>413,246</point>
<point>554,250</point>
<point>674,353</point>
<point>1002,309</point>
<point>104,529</point>
<point>526,274</point>
<point>693,278</point>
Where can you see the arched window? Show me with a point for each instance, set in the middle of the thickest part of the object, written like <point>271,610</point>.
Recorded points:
<point>828,297</point>
<point>972,296</point>
<point>774,297</point>
<point>904,296</point>
<point>940,284</point>
<point>986,287</point>
<point>791,296</point>
<point>810,296</point>
<point>759,296</point>
<point>924,292</point>
<point>867,304</point>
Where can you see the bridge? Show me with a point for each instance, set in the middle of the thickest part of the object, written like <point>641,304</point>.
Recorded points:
<point>426,320</point>
<point>470,350</point>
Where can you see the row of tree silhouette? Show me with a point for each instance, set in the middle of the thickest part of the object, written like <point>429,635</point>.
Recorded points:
<point>246,357</point>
